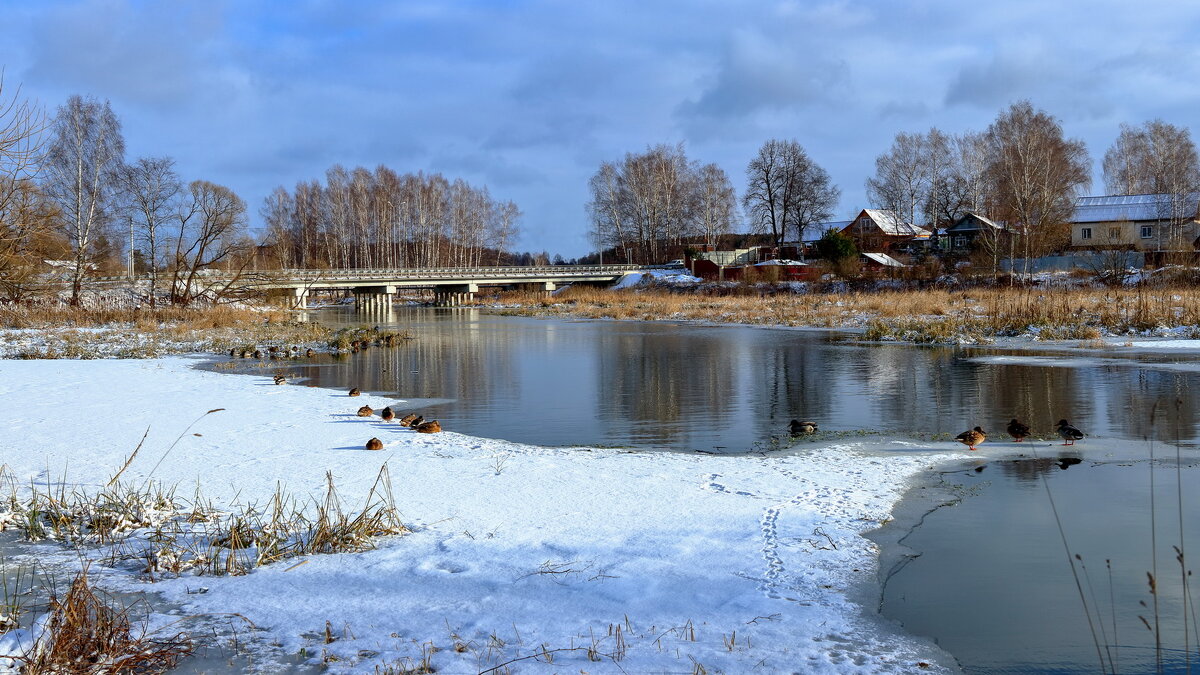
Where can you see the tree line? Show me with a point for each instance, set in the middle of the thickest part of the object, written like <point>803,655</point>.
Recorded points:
<point>70,197</point>
<point>1022,171</point>
<point>365,219</point>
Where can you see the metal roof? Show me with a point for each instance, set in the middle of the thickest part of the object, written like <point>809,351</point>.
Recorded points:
<point>884,259</point>
<point>1129,208</point>
<point>890,223</point>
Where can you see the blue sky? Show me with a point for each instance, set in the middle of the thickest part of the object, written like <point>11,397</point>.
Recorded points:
<point>528,97</point>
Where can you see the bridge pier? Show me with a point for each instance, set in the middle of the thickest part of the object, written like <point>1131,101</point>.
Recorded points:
<point>373,299</point>
<point>454,295</point>
<point>292,298</point>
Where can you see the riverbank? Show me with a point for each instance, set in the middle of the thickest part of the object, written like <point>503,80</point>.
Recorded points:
<point>931,316</point>
<point>589,559</point>
<point>62,332</point>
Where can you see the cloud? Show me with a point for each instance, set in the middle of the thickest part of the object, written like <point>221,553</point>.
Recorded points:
<point>758,73</point>
<point>154,53</point>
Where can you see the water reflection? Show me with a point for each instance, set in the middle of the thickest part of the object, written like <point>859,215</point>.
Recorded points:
<point>991,578</point>
<point>732,388</point>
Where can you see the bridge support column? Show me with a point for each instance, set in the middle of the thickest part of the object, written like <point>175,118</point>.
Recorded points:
<point>455,295</point>
<point>373,299</point>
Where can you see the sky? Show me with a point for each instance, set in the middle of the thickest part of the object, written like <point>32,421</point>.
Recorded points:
<point>528,97</point>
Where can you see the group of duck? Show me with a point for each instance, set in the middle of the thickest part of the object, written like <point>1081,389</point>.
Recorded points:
<point>415,422</point>
<point>273,352</point>
<point>1017,429</point>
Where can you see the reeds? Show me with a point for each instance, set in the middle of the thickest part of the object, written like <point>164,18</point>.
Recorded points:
<point>152,524</point>
<point>84,632</point>
<point>926,315</point>
<point>65,332</point>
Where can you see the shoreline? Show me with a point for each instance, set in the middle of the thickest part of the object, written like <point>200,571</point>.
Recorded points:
<point>710,548</point>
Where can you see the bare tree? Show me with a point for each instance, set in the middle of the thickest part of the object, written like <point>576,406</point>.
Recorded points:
<point>21,124</point>
<point>1034,175</point>
<point>211,236</point>
<point>717,202</point>
<point>85,153</point>
<point>151,190</point>
<point>786,190</point>
<point>1160,159</point>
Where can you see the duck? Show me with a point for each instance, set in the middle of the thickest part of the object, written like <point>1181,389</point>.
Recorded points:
<point>416,421</point>
<point>365,411</point>
<point>1069,433</point>
<point>798,427</point>
<point>374,444</point>
<point>258,353</point>
<point>1018,430</point>
<point>430,427</point>
<point>310,353</point>
<point>280,379</point>
<point>407,420</point>
<point>355,391</point>
<point>971,438</point>
<point>387,415</point>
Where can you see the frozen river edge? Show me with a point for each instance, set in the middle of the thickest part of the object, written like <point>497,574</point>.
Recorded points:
<point>737,563</point>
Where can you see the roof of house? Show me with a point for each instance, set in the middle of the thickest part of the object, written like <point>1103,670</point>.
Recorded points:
<point>890,223</point>
<point>884,259</point>
<point>1118,208</point>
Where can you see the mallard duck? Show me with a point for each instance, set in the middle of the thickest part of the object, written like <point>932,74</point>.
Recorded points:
<point>971,438</point>
<point>280,379</point>
<point>407,420</point>
<point>387,415</point>
<point>258,353</point>
<point>310,353</point>
<point>417,421</point>
<point>374,444</point>
<point>1018,430</point>
<point>798,427</point>
<point>430,427</point>
<point>365,411</point>
<point>1069,433</point>
<point>354,391</point>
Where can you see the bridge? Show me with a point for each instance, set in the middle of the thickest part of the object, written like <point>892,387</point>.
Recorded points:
<point>375,288</point>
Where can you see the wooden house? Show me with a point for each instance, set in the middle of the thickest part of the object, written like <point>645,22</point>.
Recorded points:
<point>881,230</point>
<point>965,234</point>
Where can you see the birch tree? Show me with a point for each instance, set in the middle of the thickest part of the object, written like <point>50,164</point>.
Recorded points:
<point>1157,158</point>
<point>1034,175</point>
<point>86,151</point>
<point>151,190</point>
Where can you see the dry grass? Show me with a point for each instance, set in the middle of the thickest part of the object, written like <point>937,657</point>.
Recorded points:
<point>87,633</point>
<point>66,332</point>
<point>153,527</point>
<point>930,315</point>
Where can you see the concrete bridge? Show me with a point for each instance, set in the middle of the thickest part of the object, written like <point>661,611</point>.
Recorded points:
<point>375,288</point>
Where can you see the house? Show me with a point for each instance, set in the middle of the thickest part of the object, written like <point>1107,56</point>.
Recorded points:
<point>964,234</point>
<point>1136,222</point>
<point>881,230</point>
<point>880,261</point>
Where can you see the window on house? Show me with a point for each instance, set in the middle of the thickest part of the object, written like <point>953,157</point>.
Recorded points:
<point>1085,233</point>
<point>1147,231</point>
<point>960,241</point>
<point>1114,233</point>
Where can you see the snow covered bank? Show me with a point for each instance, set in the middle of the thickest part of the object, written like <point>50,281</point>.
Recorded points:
<point>601,560</point>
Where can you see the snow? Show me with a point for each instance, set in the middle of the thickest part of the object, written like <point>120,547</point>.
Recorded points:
<point>667,277</point>
<point>737,563</point>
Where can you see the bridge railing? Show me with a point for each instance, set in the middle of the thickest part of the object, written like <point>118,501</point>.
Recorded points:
<point>267,276</point>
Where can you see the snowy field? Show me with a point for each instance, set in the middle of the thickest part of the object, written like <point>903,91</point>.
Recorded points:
<point>658,561</point>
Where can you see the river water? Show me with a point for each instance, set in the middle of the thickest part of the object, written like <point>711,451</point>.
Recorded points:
<point>651,385</point>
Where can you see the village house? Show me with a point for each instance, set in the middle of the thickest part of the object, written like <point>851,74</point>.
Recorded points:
<point>882,231</point>
<point>1136,222</point>
<point>966,232</point>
